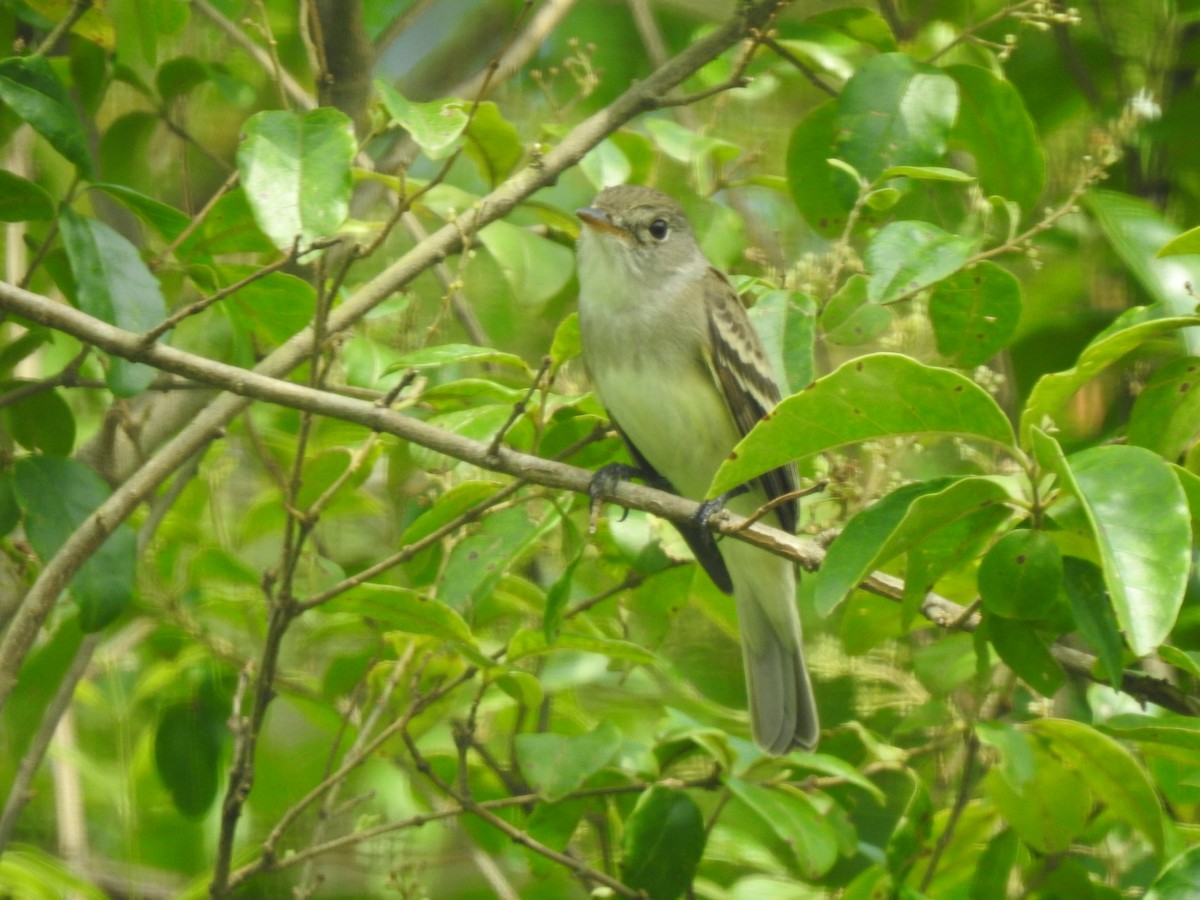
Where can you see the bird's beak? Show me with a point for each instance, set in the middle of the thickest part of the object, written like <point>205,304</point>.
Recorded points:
<point>597,219</point>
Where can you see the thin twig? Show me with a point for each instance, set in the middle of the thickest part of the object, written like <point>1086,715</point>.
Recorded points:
<point>77,11</point>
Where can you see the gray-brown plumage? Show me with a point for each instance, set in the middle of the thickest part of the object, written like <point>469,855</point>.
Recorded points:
<point>683,375</point>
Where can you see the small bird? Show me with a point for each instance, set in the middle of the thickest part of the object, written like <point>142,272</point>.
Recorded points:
<point>683,376</point>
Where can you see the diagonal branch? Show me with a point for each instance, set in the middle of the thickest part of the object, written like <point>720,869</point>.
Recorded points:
<point>549,473</point>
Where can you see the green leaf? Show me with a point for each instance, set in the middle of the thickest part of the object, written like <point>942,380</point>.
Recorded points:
<point>1026,652</point>
<point>1021,575</point>
<point>991,876</point>
<point>178,76</point>
<point>56,496</point>
<point>662,843</point>
<point>823,194</point>
<point>1140,521</point>
<point>522,687</point>
<point>187,755</point>
<point>974,312</point>
<point>532,642</point>
<point>115,286</point>
<point>1188,242</point>
<point>1178,879</point>
<point>22,200</point>
<point>450,354</point>
<point>894,111</point>
<point>1092,610</point>
<point>1166,415</point>
<point>166,220</point>
<point>10,511</point>
<point>406,610</point>
<point>1049,810</point>
<point>1182,732</point>
<point>29,87</point>
<point>785,322</point>
<point>859,402</point>
<point>907,256</point>
<point>849,318</point>
<point>995,127</point>
<point>1052,391</point>
<point>536,268</point>
<point>493,142</point>
<point>295,169</point>
<point>810,841</point>
<point>557,597</point>
<point>1110,771</point>
<point>480,560</point>
<point>567,344</point>
<point>925,173</point>
<point>42,422</point>
<point>435,126</point>
<point>271,308</point>
<point>861,24</point>
<point>557,764</point>
<point>1137,230</point>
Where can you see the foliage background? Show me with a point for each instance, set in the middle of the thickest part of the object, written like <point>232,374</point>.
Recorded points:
<point>354,638</point>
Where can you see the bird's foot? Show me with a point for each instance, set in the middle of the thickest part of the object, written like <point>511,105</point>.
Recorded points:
<point>603,483</point>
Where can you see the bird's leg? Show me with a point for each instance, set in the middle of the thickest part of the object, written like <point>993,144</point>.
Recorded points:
<point>710,508</point>
<point>606,479</point>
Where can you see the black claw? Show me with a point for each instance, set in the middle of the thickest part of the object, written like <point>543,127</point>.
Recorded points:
<point>709,508</point>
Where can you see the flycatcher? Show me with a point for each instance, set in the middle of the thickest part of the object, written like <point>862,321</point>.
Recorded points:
<point>681,371</point>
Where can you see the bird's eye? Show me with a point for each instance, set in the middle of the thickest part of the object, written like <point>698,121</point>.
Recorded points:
<point>659,229</point>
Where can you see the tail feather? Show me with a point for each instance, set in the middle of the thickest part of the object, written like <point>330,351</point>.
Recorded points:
<point>783,710</point>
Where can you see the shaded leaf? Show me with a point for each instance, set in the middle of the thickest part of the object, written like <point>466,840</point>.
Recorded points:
<point>974,312</point>
<point>557,764</point>
<point>849,318</point>
<point>187,751</point>
<point>1092,610</point>
<point>662,843</point>
<point>1026,652</point>
<point>810,841</point>
<point>858,402</point>
<point>29,87</point>
<point>823,194</point>
<point>1021,575</point>
<point>1178,879</point>
<point>22,200</point>
<point>56,495</point>
<point>42,422</point>
<point>1052,391</point>
<point>1166,415</point>
<point>1110,771</point>
<point>995,127</point>
<point>448,354</point>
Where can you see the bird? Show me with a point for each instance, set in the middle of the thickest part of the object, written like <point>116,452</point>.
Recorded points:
<point>682,375</point>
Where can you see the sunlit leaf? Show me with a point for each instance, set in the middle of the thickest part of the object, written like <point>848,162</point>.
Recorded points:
<point>1051,393</point>
<point>295,169</point>
<point>435,126</point>
<point>859,402</point>
<point>1166,415</point>
<point>894,111</point>
<point>907,256</point>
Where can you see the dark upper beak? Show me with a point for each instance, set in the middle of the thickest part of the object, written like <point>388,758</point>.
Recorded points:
<point>597,219</point>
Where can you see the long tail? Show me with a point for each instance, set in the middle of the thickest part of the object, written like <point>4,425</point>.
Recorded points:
<point>783,711</point>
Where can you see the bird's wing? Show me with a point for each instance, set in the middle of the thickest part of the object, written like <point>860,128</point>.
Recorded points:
<point>742,370</point>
